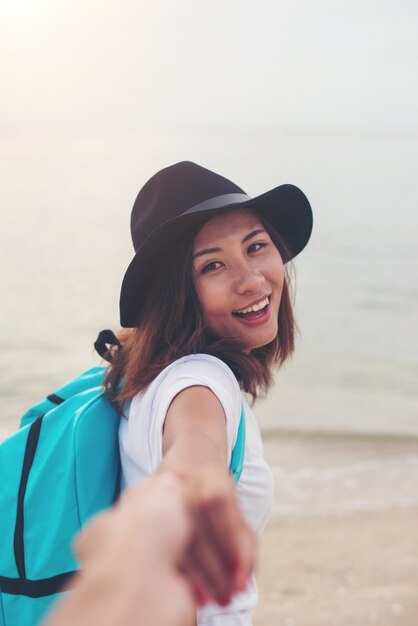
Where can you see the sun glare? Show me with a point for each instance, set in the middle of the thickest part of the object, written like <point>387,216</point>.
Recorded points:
<point>17,6</point>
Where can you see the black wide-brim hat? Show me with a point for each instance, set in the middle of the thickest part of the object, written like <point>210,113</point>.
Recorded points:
<point>185,195</point>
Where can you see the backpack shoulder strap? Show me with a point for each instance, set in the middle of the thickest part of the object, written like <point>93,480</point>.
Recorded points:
<point>237,457</point>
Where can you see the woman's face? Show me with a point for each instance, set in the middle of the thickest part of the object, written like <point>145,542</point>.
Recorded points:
<point>238,275</point>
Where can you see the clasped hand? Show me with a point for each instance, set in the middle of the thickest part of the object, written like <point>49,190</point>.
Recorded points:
<point>220,554</point>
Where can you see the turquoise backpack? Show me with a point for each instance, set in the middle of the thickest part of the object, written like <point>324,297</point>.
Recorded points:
<point>58,470</point>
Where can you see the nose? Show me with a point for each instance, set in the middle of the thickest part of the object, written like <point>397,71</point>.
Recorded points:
<point>248,279</point>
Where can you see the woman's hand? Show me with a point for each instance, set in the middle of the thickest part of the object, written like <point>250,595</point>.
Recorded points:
<point>221,552</point>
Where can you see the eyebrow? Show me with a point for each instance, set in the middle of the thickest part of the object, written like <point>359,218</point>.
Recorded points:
<point>250,235</point>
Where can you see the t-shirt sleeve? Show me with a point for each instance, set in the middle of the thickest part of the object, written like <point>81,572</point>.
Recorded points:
<point>201,370</point>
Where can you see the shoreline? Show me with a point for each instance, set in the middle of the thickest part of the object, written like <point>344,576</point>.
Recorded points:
<point>8,427</point>
<point>271,433</point>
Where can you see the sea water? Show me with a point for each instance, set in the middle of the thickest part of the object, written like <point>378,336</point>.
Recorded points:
<point>65,203</point>
<point>328,474</point>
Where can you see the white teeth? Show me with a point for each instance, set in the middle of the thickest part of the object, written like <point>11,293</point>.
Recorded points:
<point>254,307</point>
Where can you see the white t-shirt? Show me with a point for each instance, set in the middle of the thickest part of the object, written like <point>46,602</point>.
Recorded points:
<point>140,440</point>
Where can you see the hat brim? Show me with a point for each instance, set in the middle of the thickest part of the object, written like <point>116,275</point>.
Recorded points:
<point>285,207</point>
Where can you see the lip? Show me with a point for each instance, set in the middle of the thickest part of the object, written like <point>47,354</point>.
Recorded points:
<point>256,301</point>
<point>256,321</point>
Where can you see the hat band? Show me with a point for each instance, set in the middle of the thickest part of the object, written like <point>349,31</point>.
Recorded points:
<point>219,201</point>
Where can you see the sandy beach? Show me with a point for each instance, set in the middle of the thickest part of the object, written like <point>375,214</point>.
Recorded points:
<point>341,570</point>
<point>354,566</point>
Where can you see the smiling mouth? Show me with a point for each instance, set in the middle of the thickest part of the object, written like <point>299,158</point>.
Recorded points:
<point>257,310</point>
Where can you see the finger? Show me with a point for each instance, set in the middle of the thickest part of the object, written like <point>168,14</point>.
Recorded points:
<point>234,540</point>
<point>220,519</point>
<point>218,579</point>
<point>197,584</point>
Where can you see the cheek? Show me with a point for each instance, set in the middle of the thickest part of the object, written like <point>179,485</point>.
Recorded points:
<point>213,299</point>
<point>212,304</point>
<point>203,294</point>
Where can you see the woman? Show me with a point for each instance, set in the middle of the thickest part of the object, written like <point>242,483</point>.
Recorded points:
<point>206,299</point>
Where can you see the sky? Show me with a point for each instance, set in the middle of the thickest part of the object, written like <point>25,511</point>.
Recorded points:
<point>225,65</point>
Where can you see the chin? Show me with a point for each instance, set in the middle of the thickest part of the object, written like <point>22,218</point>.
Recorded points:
<point>264,341</point>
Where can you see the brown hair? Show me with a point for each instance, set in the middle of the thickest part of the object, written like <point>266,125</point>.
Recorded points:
<point>171,326</point>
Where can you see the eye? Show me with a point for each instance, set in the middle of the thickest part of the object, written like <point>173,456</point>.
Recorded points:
<point>255,247</point>
<point>211,267</point>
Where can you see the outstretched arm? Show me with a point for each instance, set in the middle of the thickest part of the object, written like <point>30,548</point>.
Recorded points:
<point>221,552</point>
